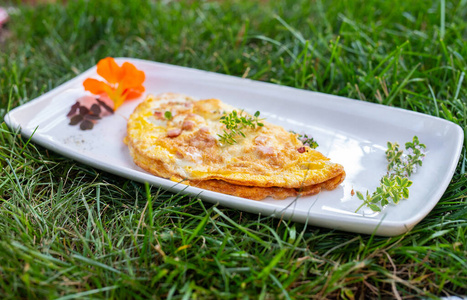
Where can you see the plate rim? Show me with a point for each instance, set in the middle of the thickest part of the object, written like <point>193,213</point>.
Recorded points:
<point>391,228</point>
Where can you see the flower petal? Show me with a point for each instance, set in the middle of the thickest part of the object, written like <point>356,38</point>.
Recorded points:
<point>95,86</point>
<point>131,76</point>
<point>118,100</point>
<point>109,70</point>
<point>132,93</point>
<point>125,82</point>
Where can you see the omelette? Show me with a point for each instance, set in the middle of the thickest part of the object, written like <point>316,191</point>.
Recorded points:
<point>186,140</point>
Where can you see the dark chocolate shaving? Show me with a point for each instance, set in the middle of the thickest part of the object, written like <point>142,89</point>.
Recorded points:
<point>105,106</point>
<point>91,117</point>
<point>73,110</point>
<point>95,109</point>
<point>76,119</point>
<point>86,125</point>
<point>80,114</point>
<point>83,110</point>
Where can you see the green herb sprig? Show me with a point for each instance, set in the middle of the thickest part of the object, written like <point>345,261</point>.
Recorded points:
<point>307,141</point>
<point>395,184</point>
<point>235,122</point>
<point>405,166</point>
<point>168,115</point>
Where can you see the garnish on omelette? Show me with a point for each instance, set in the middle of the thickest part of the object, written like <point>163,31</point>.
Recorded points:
<point>187,147</point>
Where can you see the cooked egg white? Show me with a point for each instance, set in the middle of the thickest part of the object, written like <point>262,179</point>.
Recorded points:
<point>268,161</point>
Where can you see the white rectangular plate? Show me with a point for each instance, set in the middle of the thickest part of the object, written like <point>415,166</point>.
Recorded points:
<point>350,132</point>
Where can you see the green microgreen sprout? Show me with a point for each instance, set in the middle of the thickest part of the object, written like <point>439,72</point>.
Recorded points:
<point>394,186</point>
<point>168,115</point>
<point>235,122</point>
<point>306,140</point>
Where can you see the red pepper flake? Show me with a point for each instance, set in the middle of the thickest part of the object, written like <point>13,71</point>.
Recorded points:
<point>301,149</point>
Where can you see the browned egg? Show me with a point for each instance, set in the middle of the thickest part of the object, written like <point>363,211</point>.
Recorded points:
<point>177,137</point>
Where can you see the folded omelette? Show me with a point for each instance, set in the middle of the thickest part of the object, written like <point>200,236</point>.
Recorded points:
<point>177,137</point>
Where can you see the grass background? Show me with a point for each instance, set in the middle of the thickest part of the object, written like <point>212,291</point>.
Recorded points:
<point>70,231</point>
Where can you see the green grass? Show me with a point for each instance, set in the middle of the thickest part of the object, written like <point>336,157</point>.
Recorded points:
<point>70,231</point>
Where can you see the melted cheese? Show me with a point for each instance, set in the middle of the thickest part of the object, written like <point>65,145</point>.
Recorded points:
<point>187,147</point>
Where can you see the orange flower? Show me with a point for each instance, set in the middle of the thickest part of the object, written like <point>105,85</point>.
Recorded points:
<point>123,83</point>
